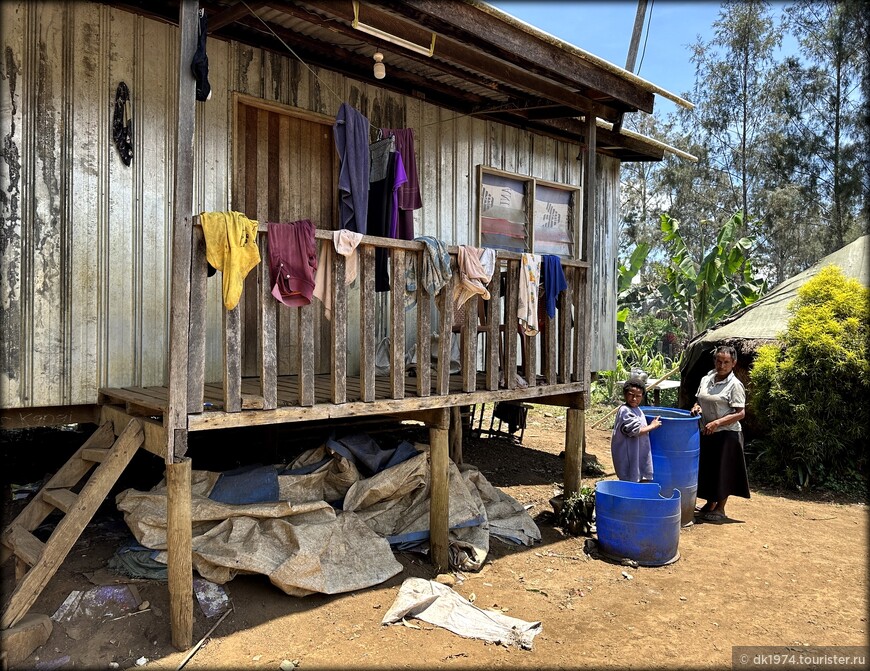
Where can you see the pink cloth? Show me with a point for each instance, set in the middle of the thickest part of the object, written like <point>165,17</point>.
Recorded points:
<point>345,243</point>
<point>476,267</point>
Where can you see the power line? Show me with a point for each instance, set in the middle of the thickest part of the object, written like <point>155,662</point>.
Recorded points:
<point>646,37</point>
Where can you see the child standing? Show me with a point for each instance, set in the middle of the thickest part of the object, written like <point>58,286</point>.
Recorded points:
<point>629,444</point>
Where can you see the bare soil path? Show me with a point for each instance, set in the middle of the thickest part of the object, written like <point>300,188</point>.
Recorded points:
<point>783,571</point>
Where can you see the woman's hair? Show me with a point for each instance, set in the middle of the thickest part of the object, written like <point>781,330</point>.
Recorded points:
<point>726,349</point>
<point>632,384</point>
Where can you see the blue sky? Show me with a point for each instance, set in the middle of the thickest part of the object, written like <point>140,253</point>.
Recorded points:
<point>604,29</point>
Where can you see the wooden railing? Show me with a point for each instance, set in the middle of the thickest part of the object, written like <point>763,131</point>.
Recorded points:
<point>557,355</point>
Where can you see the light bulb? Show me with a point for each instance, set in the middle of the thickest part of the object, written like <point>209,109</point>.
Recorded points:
<point>379,69</point>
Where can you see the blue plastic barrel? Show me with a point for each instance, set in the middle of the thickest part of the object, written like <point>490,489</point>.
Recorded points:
<point>634,521</point>
<point>676,446</point>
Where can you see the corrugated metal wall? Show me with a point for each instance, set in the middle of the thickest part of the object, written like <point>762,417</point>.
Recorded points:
<point>85,240</point>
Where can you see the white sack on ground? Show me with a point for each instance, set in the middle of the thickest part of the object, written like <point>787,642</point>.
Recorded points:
<point>437,604</point>
<point>301,547</point>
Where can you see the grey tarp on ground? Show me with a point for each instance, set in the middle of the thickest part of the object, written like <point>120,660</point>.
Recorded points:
<point>304,545</point>
<point>395,503</point>
<point>437,604</point>
<point>302,548</point>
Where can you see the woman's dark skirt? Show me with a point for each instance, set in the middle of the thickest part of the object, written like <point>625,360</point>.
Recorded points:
<point>722,466</point>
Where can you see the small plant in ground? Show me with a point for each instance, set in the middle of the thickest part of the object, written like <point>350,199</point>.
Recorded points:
<point>809,391</point>
<point>577,512</point>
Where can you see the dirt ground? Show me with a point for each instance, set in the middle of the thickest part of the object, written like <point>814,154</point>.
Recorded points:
<point>784,571</point>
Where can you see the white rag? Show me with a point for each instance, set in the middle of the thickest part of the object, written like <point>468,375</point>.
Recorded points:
<point>527,312</point>
<point>437,604</point>
<point>345,243</point>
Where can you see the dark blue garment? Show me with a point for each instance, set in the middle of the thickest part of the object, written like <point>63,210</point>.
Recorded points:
<point>369,457</point>
<point>247,484</point>
<point>554,281</point>
<point>351,131</point>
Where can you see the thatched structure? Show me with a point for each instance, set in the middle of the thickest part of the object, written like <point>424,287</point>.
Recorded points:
<point>762,322</point>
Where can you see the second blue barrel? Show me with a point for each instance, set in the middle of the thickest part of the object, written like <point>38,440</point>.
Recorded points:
<point>634,521</point>
<point>675,447</point>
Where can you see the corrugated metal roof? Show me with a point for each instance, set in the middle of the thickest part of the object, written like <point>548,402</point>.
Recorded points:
<point>485,63</point>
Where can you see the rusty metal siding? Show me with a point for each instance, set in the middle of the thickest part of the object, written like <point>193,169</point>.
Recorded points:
<point>85,241</point>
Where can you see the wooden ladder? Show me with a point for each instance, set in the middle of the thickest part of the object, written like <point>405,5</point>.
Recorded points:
<point>36,562</point>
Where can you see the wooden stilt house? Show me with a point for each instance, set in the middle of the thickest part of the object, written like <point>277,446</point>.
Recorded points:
<point>108,312</point>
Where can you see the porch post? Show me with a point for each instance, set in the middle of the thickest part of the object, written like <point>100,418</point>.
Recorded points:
<point>179,532</point>
<point>575,425</point>
<point>575,439</point>
<point>438,489</point>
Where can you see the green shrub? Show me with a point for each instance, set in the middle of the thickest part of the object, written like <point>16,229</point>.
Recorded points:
<point>810,391</point>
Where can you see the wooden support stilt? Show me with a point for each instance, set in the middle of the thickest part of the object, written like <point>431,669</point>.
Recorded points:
<point>456,434</point>
<point>575,433</point>
<point>179,540</point>
<point>438,491</point>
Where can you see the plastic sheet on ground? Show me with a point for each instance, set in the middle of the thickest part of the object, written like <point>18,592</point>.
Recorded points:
<point>303,544</point>
<point>437,604</point>
<point>302,548</point>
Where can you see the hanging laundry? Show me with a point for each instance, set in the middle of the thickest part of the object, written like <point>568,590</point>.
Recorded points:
<point>292,262</point>
<point>199,65</point>
<point>554,281</point>
<point>379,152</point>
<point>436,265</point>
<point>345,243</point>
<point>476,267</point>
<point>409,193</point>
<point>527,312</point>
<point>351,132</point>
<point>436,271</point>
<point>382,215</point>
<point>231,247</point>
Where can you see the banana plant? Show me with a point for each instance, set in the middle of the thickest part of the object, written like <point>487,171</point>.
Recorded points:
<point>723,281</point>
<point>628,294</point>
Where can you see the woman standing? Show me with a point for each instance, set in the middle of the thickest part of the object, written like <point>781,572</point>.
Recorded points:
<point>721,402</point>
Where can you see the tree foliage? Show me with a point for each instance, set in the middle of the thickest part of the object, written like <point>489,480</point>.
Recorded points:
<point>809,391</point>
<point>721,282</point>
<point>783,139</point>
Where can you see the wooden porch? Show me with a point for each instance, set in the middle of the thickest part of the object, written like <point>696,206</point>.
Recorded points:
<point>317,383</point>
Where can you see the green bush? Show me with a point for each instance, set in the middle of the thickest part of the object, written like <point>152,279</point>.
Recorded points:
<point>810,391</point>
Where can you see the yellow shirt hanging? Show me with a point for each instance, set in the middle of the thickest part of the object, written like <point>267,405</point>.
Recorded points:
<point>231,247</point>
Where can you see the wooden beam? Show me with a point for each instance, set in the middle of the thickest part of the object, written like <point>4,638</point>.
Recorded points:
<point>439,494</point>
<point>231,14</point>
<point>382,406</point>
<point>179,540</point>
<point>182,228</point>
<point>588,227</point>
<point>465,23</point>
<point>457,55</point>
<point>575,433</point>
<point>59,415</point>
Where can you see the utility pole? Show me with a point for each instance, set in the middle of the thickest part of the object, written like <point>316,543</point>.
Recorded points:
<point>632,49</point>
<point>635,35</point>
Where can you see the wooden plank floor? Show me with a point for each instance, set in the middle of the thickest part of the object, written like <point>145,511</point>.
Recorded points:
<point>153,401</point>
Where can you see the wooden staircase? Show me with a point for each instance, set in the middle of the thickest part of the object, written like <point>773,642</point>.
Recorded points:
<point>36,562</point>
